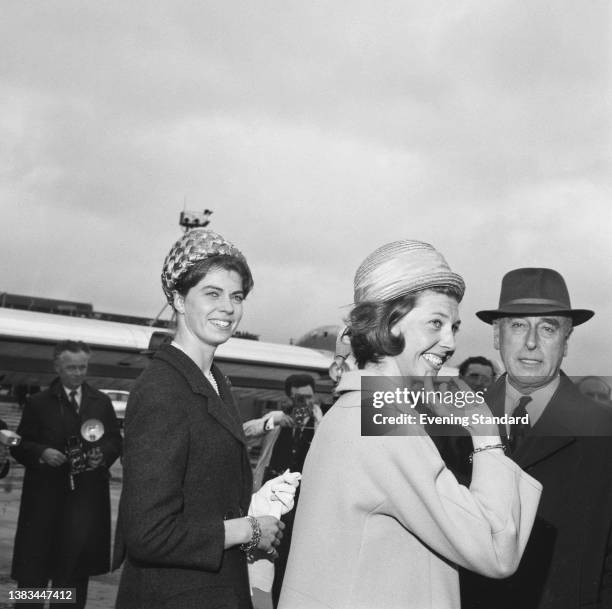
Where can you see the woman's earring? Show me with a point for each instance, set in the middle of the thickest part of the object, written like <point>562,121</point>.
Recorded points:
<point>179,303</point>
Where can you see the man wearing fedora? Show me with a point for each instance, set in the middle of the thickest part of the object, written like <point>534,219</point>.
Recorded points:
<point>566,445</point>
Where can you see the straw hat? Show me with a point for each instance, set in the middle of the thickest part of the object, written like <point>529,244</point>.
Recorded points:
<point>401,268</point>
<point>194,246</point>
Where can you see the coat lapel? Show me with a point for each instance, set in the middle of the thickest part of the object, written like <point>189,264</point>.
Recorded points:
<point>550,434</point>
<point>223,411</point>
<point>553,431</point>
<point>495,399</point>
<point>88,399</point>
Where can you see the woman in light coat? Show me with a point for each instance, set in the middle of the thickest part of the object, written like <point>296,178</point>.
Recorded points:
<point>382,523</point>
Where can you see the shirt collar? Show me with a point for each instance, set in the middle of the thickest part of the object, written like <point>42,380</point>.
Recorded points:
<point>79,393</point>
<point>539,399</point>
<point>180,348</point>
<point>177,346</point>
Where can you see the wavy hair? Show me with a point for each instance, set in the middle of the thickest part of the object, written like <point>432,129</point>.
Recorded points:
<point>370,324</point>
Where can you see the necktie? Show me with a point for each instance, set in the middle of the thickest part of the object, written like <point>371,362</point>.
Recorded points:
<point>73,402</point>
<point>519,429</point>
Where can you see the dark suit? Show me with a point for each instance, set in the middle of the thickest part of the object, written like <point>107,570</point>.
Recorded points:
<point>186,469</point>
<point>4,468</point>
<point>568,559</point>
<point>63,534</point>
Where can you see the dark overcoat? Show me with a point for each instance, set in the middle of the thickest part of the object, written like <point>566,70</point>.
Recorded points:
<point>185,470</point>
<point>4,469</point>
<point>568,560</point>
<point>63,533</point>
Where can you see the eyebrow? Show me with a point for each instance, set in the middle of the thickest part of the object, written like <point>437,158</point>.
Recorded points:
<point>551,321</point>
<point>446,316</point>
<point>211,286</point>
<point>547,320</point>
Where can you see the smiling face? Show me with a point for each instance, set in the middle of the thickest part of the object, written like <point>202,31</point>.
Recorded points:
<point>429,330</point>
<point>532,348</point>
<point>211,310</point>
<point>72,368</point>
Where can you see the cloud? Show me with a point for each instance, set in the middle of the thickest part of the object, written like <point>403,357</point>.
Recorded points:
<point>316,132</point>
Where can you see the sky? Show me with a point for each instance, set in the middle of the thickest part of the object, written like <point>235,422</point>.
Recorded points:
<point>316,132</point>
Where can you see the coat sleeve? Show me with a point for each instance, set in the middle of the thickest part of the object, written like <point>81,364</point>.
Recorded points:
<point>254,428</point>
<point>5,462</point>
<point>606,580</point>
<point>483,528</point>
<point>267,447</point>
<point>154,524</point>
<point>29,450</point>
<point>110,443</point>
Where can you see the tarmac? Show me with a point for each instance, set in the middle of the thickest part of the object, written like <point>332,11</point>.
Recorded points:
<point>102,588</point>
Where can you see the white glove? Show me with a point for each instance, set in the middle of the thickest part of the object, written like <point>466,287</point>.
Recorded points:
<point>279,490</point>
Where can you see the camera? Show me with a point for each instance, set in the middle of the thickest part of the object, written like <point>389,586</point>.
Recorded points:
<point>76,456</point>
<point>301,408</point>
<point>9,438</point>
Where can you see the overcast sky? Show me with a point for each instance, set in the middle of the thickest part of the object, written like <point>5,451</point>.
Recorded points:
<point>316,131</point>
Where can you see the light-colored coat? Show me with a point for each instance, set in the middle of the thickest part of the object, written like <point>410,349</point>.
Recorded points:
<point>383,524</point>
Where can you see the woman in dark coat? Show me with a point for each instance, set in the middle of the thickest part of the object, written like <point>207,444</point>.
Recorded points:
<point>183,523</point>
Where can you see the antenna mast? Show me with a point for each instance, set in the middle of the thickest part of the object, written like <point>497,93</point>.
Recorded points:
<point>195,219</point>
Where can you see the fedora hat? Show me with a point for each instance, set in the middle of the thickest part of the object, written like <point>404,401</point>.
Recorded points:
<point>534,291</point>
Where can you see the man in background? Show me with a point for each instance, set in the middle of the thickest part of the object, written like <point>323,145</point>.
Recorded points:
<point>63,530</point>
<point>478,372</point>
<point>565,444</point>
<point>595,388</point>
<point>286,448</point>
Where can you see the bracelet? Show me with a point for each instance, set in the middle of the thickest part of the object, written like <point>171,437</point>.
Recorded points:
<point>255,536</point>
<point>483,448</point>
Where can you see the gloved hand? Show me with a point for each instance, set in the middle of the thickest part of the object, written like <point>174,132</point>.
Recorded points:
<point>279,490</point>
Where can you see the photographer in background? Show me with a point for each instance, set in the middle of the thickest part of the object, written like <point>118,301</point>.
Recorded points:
<point>63,531</point>
<point>478,372</point>
<point>285,447</point>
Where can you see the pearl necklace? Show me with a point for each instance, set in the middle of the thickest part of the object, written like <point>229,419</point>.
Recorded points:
<point>212,381</point>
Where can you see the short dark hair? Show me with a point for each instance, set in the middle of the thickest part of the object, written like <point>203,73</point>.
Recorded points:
<point>74,346</point>
<point>476,359</point>
<point>298,380</point>
<point>198,271</point>
<point>370,324</point>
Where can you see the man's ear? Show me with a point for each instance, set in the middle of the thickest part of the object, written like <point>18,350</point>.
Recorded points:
<point>496,334</point>
<point>566,341</point>
<point>178,302</point>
